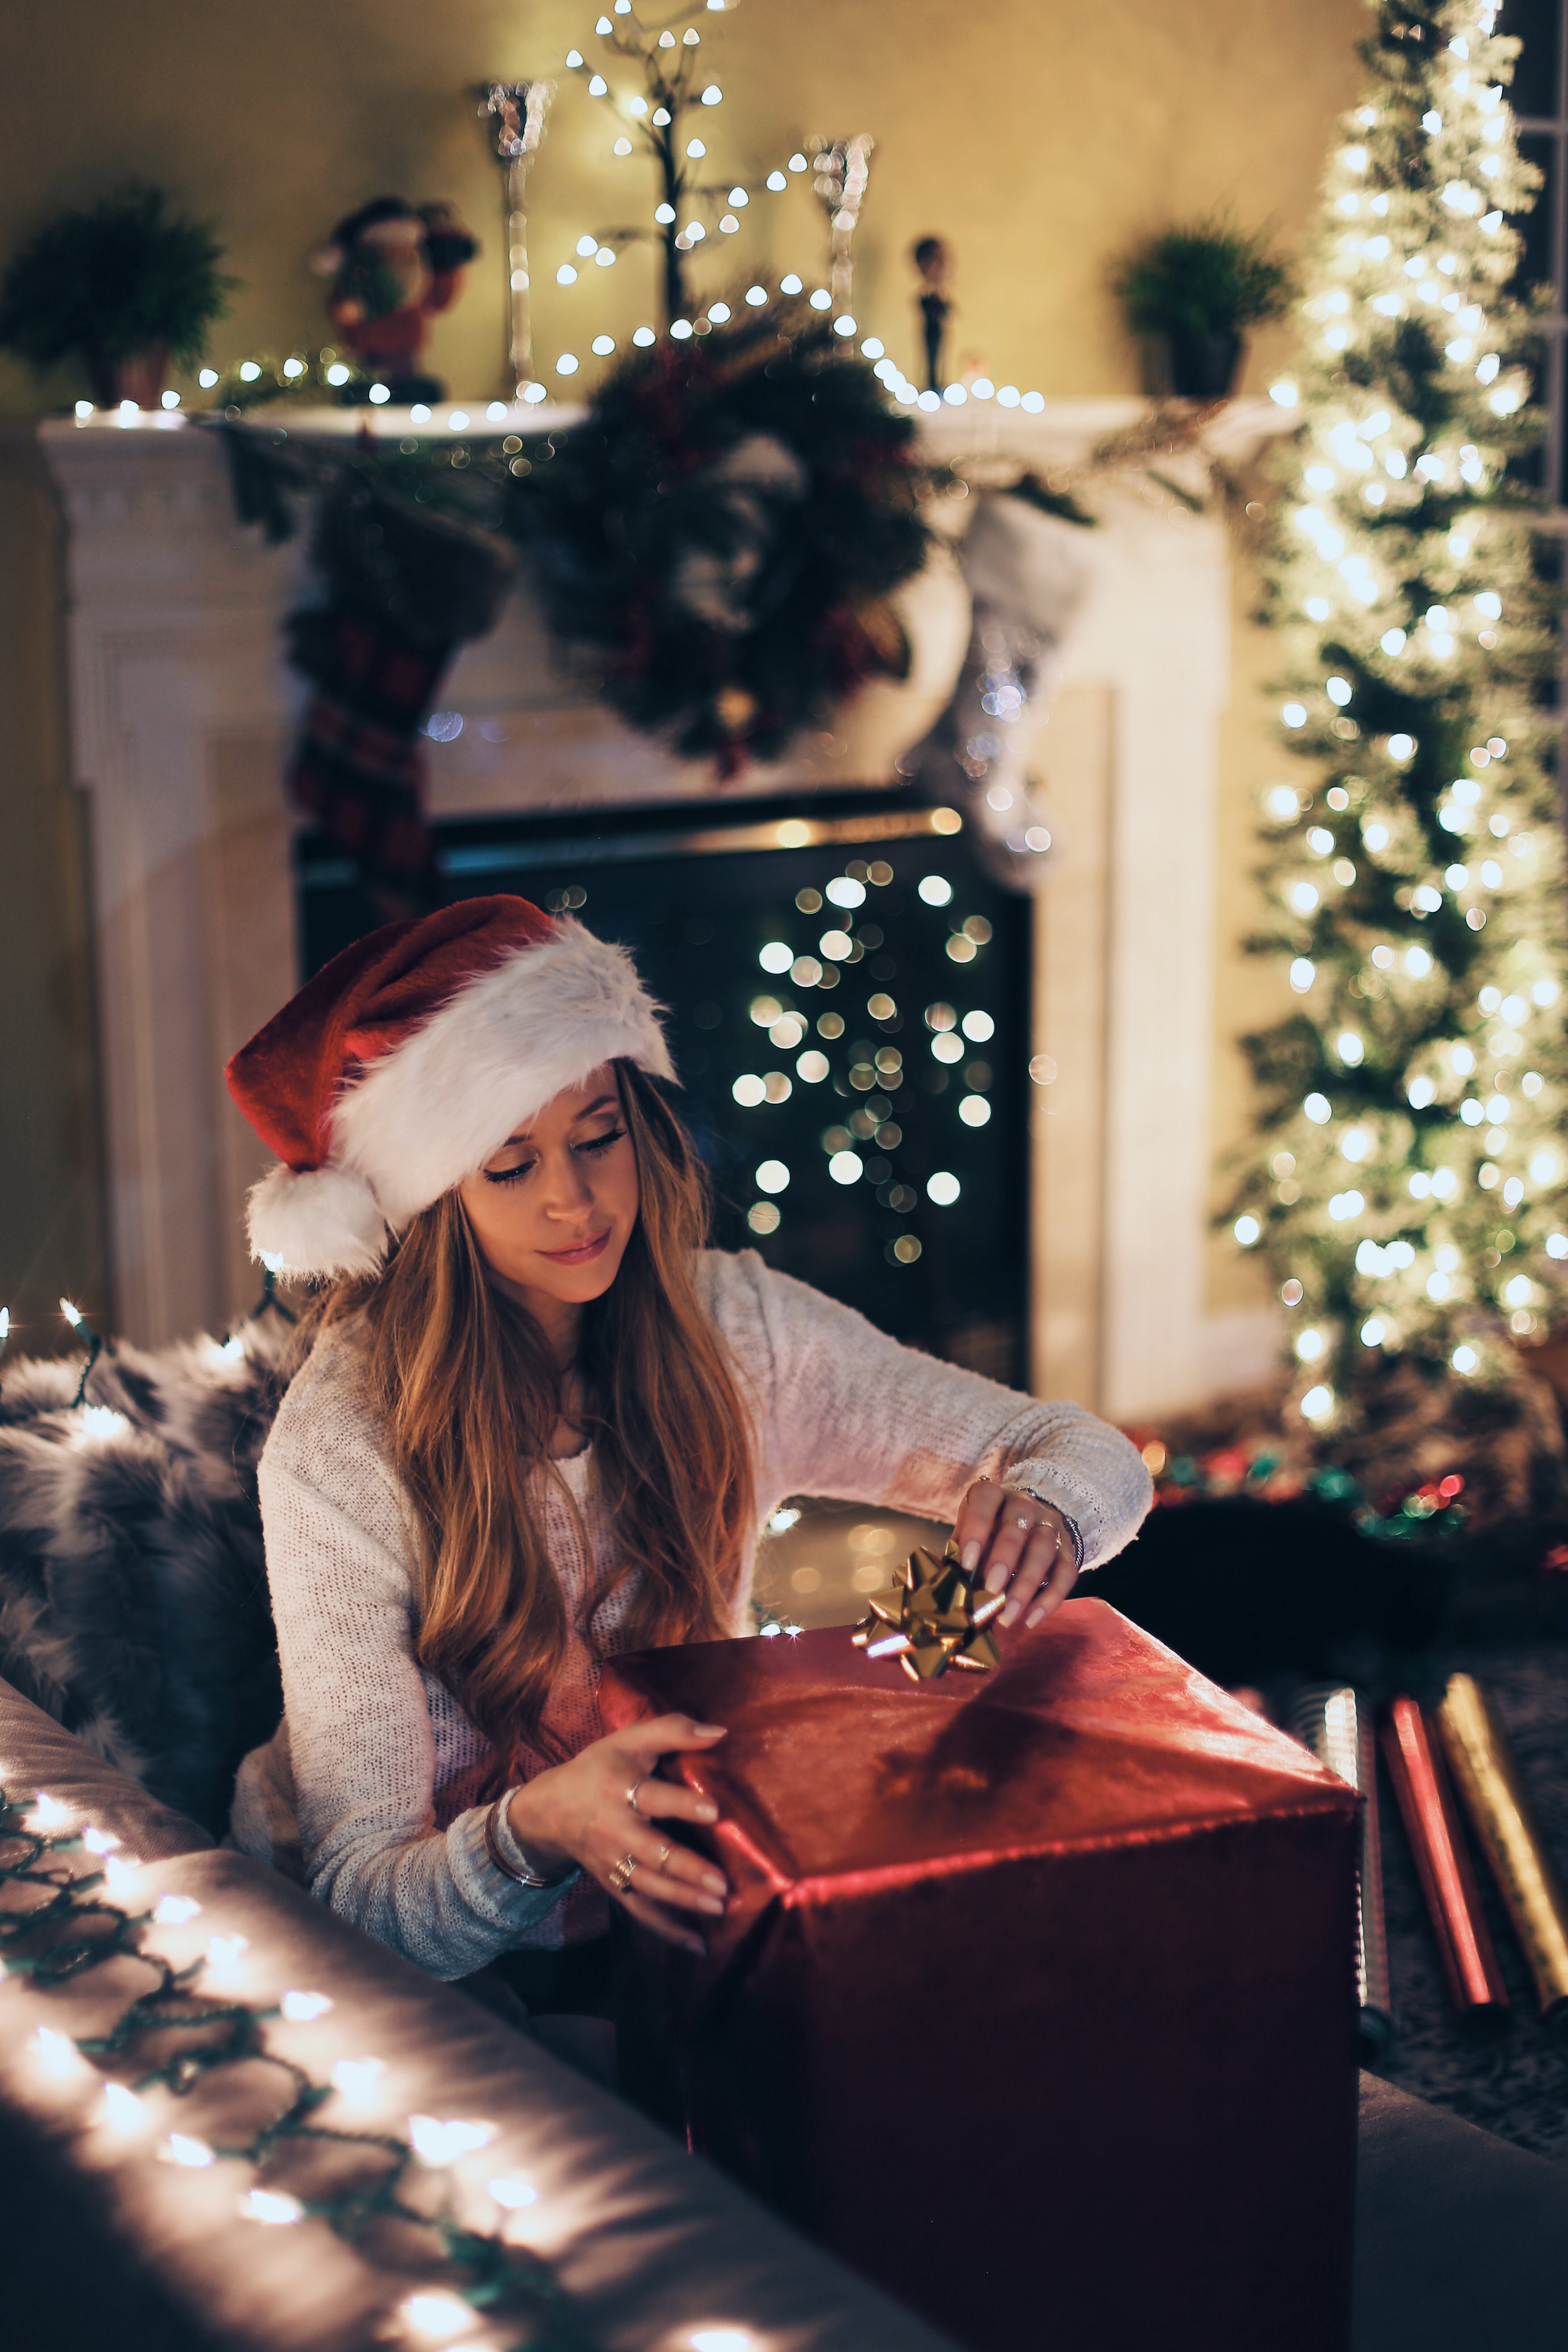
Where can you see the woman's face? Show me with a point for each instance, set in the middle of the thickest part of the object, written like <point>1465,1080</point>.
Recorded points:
<point>553,1209</point>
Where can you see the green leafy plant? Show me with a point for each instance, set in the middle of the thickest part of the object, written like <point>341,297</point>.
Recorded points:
<point>105,286</point>
<point>1207,279</point>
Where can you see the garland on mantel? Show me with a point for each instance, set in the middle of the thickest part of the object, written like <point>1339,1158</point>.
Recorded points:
<point>714,542</point>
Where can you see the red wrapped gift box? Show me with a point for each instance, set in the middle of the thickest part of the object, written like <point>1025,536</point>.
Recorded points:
<point>1036,1997</point>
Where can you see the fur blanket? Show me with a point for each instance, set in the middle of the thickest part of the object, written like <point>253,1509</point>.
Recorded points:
<point>133,1601</point>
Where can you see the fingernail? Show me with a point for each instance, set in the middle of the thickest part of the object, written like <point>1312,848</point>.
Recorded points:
<point>1009,1614</point>
<point>710,1730</point>
<point>710,1903</point>
<point>707,1812</point>
<point>695,1944</point>
<point>714,1883</point>
<point>1034,1616</point>
<point>996,1576</point>
<point>970,1559</point>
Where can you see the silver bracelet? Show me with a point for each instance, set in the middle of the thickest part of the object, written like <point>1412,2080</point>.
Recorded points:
<point>1065,1518</point>
<point>527,1876</point>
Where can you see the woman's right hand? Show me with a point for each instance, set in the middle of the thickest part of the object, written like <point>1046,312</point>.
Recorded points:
<point>579,1813</point>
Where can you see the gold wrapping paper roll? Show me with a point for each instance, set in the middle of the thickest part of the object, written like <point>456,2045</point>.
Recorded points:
<point>1483,1769</point>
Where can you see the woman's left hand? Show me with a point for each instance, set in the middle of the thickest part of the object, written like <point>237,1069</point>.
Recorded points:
<point>1017,1545</point>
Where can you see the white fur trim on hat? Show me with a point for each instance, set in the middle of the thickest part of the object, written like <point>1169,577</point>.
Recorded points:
<point>320,1222</point>
<point>427,1114</point>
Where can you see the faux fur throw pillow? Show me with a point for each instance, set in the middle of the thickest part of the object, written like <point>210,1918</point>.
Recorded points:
<point>132,1590</point>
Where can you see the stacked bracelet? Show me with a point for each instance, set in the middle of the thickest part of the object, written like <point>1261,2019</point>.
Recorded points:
<point>1068,1521</point>
<point>527,1876</point>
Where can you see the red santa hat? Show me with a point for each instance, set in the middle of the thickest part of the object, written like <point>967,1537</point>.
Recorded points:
<point>412,1057</point>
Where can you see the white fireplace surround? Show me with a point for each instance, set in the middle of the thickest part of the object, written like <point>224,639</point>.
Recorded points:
<point>182,711</point>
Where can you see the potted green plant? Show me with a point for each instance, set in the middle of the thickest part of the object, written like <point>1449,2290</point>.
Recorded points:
<point>1194,292</point>
<point>123,289</point>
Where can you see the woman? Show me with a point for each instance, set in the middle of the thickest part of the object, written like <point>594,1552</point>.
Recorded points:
<point>539,1423</point>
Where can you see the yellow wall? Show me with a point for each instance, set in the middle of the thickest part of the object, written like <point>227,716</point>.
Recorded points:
<point>1039,136</point>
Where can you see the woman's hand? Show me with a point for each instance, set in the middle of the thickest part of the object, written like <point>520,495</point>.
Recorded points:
<point>1019,1544</point>
<point>580,1813</point>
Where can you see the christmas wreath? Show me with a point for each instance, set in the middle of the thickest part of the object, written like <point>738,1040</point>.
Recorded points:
<point>723,532</point>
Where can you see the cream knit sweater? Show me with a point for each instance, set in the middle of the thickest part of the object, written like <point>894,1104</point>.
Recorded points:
<point>367,1790</point>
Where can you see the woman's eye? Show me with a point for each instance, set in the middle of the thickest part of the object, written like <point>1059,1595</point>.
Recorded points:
<point>507,1175</point>
<point>603,1142</point>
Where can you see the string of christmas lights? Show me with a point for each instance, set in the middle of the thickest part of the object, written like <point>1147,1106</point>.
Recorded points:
<point>57,1926</point>
<point>1409,1194</point>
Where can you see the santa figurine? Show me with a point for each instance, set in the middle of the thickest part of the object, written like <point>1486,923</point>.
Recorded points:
<point>393,266</point>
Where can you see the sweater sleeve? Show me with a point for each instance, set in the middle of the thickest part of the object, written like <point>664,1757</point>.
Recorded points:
<point>358,1711</point>
<point>848,1412</point>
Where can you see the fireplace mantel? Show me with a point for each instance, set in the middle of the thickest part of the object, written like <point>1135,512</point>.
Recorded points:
<point>181,710</point>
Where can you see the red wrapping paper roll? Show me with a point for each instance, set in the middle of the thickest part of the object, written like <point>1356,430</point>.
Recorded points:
<point>1431,1823</point>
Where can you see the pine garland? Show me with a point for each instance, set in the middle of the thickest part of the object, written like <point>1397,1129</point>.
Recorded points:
<point>1409,1188</point>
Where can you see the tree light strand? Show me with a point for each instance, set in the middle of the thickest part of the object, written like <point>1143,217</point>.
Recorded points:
<point>1410,1189</point>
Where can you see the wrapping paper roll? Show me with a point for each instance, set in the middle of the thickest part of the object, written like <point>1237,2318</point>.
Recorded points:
<point>1488,1784</point>
<point>1333,1722</point>
<point>1431,1823</point>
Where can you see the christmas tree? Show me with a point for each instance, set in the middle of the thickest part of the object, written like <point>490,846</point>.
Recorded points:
<point>1408,1190</point>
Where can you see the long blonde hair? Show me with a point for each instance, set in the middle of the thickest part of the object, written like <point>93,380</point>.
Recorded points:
<point>469,1394</point>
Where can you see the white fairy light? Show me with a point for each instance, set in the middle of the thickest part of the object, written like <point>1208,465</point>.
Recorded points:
<point>440,2143</point>
<point>357,2081</point>
<point>58,2054</point>
<point>273,2208</point>
<point>438,2315</point>
<point>122,2110</point>
<point>120,1877</point>
<point>303,2008</point>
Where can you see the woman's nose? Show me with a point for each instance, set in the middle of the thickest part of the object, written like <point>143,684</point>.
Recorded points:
<point>567,1189</point>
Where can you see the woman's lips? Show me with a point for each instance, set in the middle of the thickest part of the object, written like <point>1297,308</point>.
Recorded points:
<point>581,1253</point>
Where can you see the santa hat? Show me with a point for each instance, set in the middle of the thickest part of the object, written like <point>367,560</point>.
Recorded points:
<point>412,1057</point>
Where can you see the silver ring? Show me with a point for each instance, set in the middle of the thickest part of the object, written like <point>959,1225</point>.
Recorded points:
<point>632,1794</point>
<point>1028,1523</point>
<point>664,1854</point>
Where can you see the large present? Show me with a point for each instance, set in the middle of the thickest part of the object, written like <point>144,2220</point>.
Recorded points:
<point>1035,1996</point>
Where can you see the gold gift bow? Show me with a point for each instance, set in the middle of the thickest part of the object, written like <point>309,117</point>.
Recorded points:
<point>1499,1811</point>
<point>932,1620</point>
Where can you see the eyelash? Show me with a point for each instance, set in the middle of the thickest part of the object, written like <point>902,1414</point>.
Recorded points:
<point>511,1175</point>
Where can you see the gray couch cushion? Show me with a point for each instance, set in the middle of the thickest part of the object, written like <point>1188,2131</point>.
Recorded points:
<point>36,1753</point>
<point>1461,2240</point>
